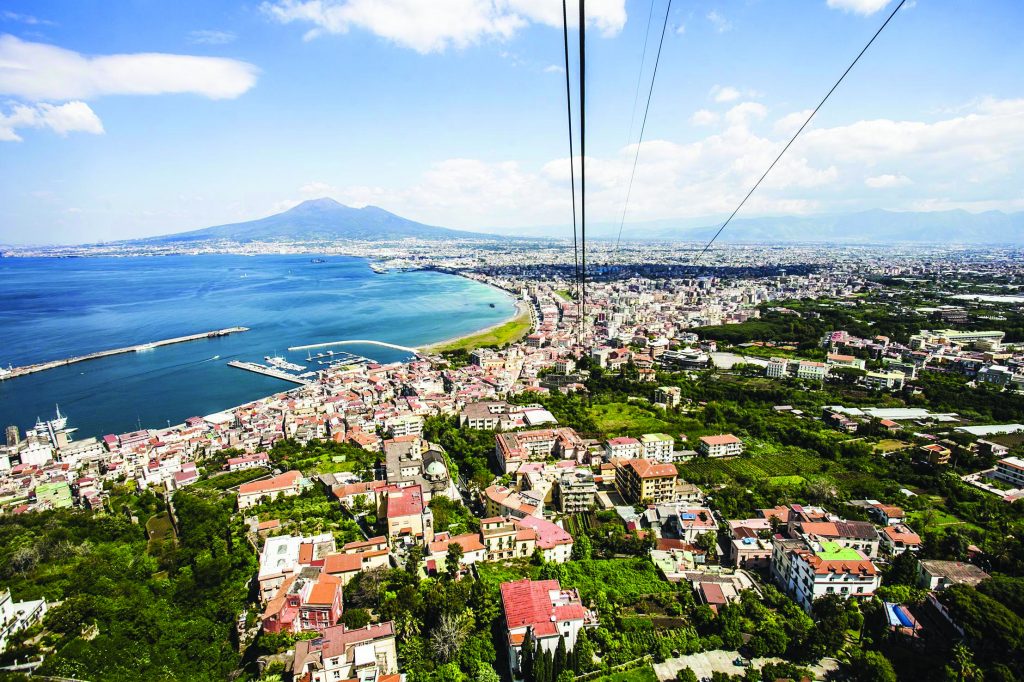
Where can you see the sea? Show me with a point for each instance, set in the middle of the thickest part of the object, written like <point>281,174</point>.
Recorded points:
<point>52,308</point>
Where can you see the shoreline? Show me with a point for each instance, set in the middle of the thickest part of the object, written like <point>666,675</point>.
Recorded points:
<point>522,310</point>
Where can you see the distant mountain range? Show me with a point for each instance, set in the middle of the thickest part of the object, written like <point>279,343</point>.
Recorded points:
<point>865,227</point>
<point>328,220</point>
<point>323,220</point>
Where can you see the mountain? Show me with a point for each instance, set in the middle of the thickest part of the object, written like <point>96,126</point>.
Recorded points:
<point>323,220</point>
<point>865,227</point>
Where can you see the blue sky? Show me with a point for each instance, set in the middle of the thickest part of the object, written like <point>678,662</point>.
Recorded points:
<point>143,117</point>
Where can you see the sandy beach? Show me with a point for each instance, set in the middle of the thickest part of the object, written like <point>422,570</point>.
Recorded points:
<point>522,308</point>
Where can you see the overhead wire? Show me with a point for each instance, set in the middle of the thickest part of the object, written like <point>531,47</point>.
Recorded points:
<point>572,162</point>
<point>643,125</point>
<point>797,134</point>
<point>583,164</point>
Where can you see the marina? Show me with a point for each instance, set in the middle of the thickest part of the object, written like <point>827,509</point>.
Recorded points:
<point>14,372</point>
<point>274,372</point>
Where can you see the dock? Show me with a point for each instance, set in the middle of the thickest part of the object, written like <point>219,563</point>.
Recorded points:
<point>270,372</point>
<point>365,342</point>
<point>139,348</point>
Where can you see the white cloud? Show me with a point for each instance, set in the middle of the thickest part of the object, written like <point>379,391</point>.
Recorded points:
<point>725,93</point>
<point>887,181</point>
<point>720,23</point>
<point>703,117</point>
<point>865,7</point>
<point>437,25</point>
<point>554,68</point>
<point>745,112</point>
<point>790,123</point>
<point>37,71</point>
<point>680,29</point>
<point>60,118</point>
<point>207,37</point>
<point>27,19</point>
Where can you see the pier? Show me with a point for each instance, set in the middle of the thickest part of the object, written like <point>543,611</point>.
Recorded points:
<point>52,364</point>
<point>269,371</point>
<point>367,342</point>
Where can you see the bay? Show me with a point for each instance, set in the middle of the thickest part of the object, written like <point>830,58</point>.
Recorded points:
<point>56,308</point>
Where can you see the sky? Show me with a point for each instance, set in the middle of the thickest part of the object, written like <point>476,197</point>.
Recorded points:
<point>144,117</point>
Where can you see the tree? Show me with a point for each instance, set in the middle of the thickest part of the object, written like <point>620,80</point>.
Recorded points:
<point>526,662</point>
<point>832,621</point>
<point>902,570</point>
<point>355,618</point>
<point>413,558</point>
<point>962,668</point>
<point>581,548</point>
<point>686,675</point>
<point>560,658</point>
<point>448,636</point>
<point>453,560</point>
<point>870,666</point>
<point>485,672</point>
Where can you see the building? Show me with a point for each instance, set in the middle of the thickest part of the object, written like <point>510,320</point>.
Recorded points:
<point>410,460</point>
<point>285,555</point>
<point>724,445</point>
<point>642,481</point>
<point>539,613</point>
<point>576,490</point>
<point>658,446</point>
<point>934,574</point>
<point>308,601</point>
<point>671,396</point>
<point>623,448</point>
<point>747,550</point>
<point>54,495</point>
<point>409,520</point>
<point>365,654</point>
<point>888,381</point>
<point>811,370</point>
<point>260,459</point>
<point>935,454</point>
<point>362,555</point>
<point>499,500</point>
<point>553,541</point>
<point>898,538</point>
<point>512,449</point>
<point>808,571</point>
<point>777,368</point>
<point>287,484</point>
<point>837,360</point>
<point>1010,470</point>
<point>18,616</point>
<point>690,524</point>
<point>985,340</point>
<point>858,535</point>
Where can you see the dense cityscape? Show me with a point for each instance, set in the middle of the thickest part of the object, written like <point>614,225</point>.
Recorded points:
<point>785,465</point>
<point>503,341</point>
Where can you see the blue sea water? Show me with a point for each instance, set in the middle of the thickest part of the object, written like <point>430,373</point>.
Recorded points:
<point>58,308</point>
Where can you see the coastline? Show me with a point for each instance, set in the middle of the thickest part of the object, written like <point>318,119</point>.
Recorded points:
<point>522,311</point>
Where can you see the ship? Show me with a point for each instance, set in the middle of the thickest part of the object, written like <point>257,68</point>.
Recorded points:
<point>317,260</point>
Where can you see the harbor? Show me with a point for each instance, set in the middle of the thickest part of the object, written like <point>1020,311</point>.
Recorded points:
<point>14,372</point>
<point>274,372</point>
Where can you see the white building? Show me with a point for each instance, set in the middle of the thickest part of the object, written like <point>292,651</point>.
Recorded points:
<point>1010,470</point>
<point>811,370</point>
<point>18,616</point>
<point>657,446</point>
<point>809,571</point>
<point>724,445</point>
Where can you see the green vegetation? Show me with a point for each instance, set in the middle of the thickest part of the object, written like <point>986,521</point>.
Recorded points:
<point>170,617</point>
<point>627,419</point>
<point>642,674</point>
<point>310,513</point>
<point>323,457</point>
<point>496,337</point>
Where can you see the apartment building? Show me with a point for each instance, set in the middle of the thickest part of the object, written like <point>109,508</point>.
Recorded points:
<point>642,481</point>
<point>365,654</point>
<point>724,445</point>
<point>539,613</point>
<point>658,446</point>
